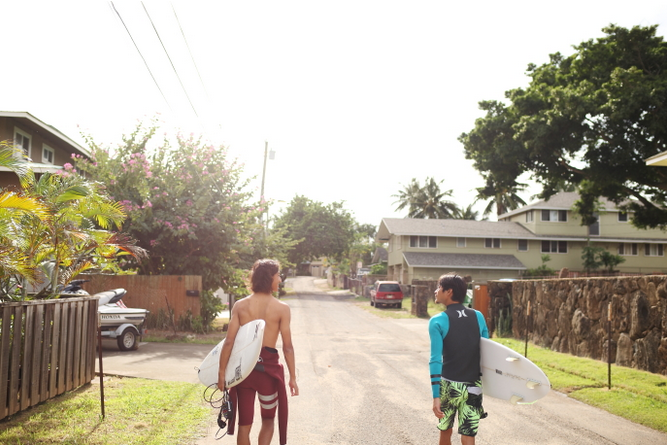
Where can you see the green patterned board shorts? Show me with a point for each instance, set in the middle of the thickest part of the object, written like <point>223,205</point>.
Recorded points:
<point>456,397</point>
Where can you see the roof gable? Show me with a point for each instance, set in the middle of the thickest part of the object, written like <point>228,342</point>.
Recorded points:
<point>25,116</point>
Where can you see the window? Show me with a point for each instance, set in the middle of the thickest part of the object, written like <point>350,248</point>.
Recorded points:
<point>522,245</point>
<point>554,215</point>
<point>628,249</point>
<point>653,250</point>
<point>492,243</point>
<point>389,287</point>
<point>554,246</point>
<point>622,216</point>
<point>594,229</point>
<point>429,242</point>
<point>47,154</point>
<point>529,216</point>
<point>22,141</point>
<point>460,242</point>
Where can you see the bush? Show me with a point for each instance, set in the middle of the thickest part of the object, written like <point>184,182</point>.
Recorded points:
<point>504,320</point>
<point>379,269</point>
<point>541,271</point>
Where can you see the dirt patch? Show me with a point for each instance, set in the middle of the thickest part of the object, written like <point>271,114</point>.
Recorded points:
<point>158,335</point>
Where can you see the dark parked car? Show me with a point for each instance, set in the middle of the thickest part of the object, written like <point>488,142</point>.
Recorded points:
<point>387,293</point>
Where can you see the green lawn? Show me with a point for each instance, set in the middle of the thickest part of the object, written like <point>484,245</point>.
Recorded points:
<point>138,411</point>
<point>636,395</point>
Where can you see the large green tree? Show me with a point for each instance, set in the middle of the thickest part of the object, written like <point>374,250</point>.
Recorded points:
<point>588,119</point>
<point>428,201</point>
<point>320,230</point>
<point>186,204</point>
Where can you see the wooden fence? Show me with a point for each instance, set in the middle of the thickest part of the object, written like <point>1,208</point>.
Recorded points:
<point>47,348</point>
<point>178,293</point>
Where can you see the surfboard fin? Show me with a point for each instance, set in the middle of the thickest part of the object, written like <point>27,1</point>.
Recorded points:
<point>532,384</point>
<point>512,359</point>
<point>515,399</point>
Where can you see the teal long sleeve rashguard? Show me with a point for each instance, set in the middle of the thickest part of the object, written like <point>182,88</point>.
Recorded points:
<point>438,328</point>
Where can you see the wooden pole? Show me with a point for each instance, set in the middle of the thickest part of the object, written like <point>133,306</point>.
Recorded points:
<point>525,353</point>
<point>609,346</point>
<point>99,350</point>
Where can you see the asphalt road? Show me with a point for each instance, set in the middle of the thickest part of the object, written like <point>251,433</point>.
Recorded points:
<point>364,380</point>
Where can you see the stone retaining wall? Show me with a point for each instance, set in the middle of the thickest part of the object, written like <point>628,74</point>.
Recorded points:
<point>571,316</point>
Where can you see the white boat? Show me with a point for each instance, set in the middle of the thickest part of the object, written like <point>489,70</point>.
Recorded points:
<point>124,324</point>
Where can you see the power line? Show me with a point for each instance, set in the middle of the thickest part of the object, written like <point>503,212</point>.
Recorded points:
<point>188,47</point>
<point>140,54</point>
<point>170,61</point>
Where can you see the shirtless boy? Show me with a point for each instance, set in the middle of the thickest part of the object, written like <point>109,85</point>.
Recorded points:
<point>267,379</point>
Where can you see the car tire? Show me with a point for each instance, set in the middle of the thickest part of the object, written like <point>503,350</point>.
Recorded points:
<point>128,340</point>
<point>399,305</point>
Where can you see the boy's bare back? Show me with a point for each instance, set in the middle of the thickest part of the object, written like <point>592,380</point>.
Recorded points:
<point>258,306</point>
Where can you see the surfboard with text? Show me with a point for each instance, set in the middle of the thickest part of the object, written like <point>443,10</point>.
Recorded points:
<point>245,352</point>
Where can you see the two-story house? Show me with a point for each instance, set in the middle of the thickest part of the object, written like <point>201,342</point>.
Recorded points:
<point>490,250</point>
<point>47,148</point>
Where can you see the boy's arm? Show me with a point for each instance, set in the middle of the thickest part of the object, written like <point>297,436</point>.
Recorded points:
<point>288,349</point>
<point>483,329</point>
<point>435,363</point>
<point>232,330</point>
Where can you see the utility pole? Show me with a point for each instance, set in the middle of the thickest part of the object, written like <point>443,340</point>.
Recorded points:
<point>266,151</point>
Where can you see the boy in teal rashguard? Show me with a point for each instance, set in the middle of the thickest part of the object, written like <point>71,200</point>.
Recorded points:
<point>454,365</point>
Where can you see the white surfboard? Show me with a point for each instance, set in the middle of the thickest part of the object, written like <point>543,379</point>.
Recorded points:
<point>245,352</point>
<point>510,376</point>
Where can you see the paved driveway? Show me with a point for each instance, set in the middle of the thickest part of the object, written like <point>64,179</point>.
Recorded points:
<point>161,361</point>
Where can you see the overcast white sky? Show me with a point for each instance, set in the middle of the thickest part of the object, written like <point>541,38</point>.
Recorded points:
<point>356,97</point>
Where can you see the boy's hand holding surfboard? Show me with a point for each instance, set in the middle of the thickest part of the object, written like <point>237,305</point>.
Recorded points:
<point>245,352</point>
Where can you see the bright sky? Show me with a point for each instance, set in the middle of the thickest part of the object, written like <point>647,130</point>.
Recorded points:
<point>355,97</point>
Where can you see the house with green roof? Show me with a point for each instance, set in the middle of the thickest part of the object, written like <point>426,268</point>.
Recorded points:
<point>490,250</point>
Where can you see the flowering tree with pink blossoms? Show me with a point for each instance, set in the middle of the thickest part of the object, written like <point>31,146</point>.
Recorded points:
<point>186,204</point>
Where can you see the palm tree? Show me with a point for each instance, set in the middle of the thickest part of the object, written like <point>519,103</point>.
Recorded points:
<point>467,213</point>
<point>408,195</point>
<point>77,234</point>
<point>426,202</point>
<point>14,206</point>
<point>503,197</point>
<point>59,225</point>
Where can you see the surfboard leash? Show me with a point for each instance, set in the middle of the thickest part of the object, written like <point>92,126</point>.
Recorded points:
<point>223,403</point>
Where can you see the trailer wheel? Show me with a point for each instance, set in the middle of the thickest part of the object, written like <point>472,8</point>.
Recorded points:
<point>128,340</point>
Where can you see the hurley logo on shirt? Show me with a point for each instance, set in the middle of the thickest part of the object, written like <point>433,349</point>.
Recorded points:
<point>462,314</point>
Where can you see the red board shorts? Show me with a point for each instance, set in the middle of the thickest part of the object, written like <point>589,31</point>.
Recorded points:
<point>266,388</point>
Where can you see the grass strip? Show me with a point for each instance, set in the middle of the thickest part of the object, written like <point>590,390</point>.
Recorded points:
<point>635,395</point>
<point>138,411</point>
